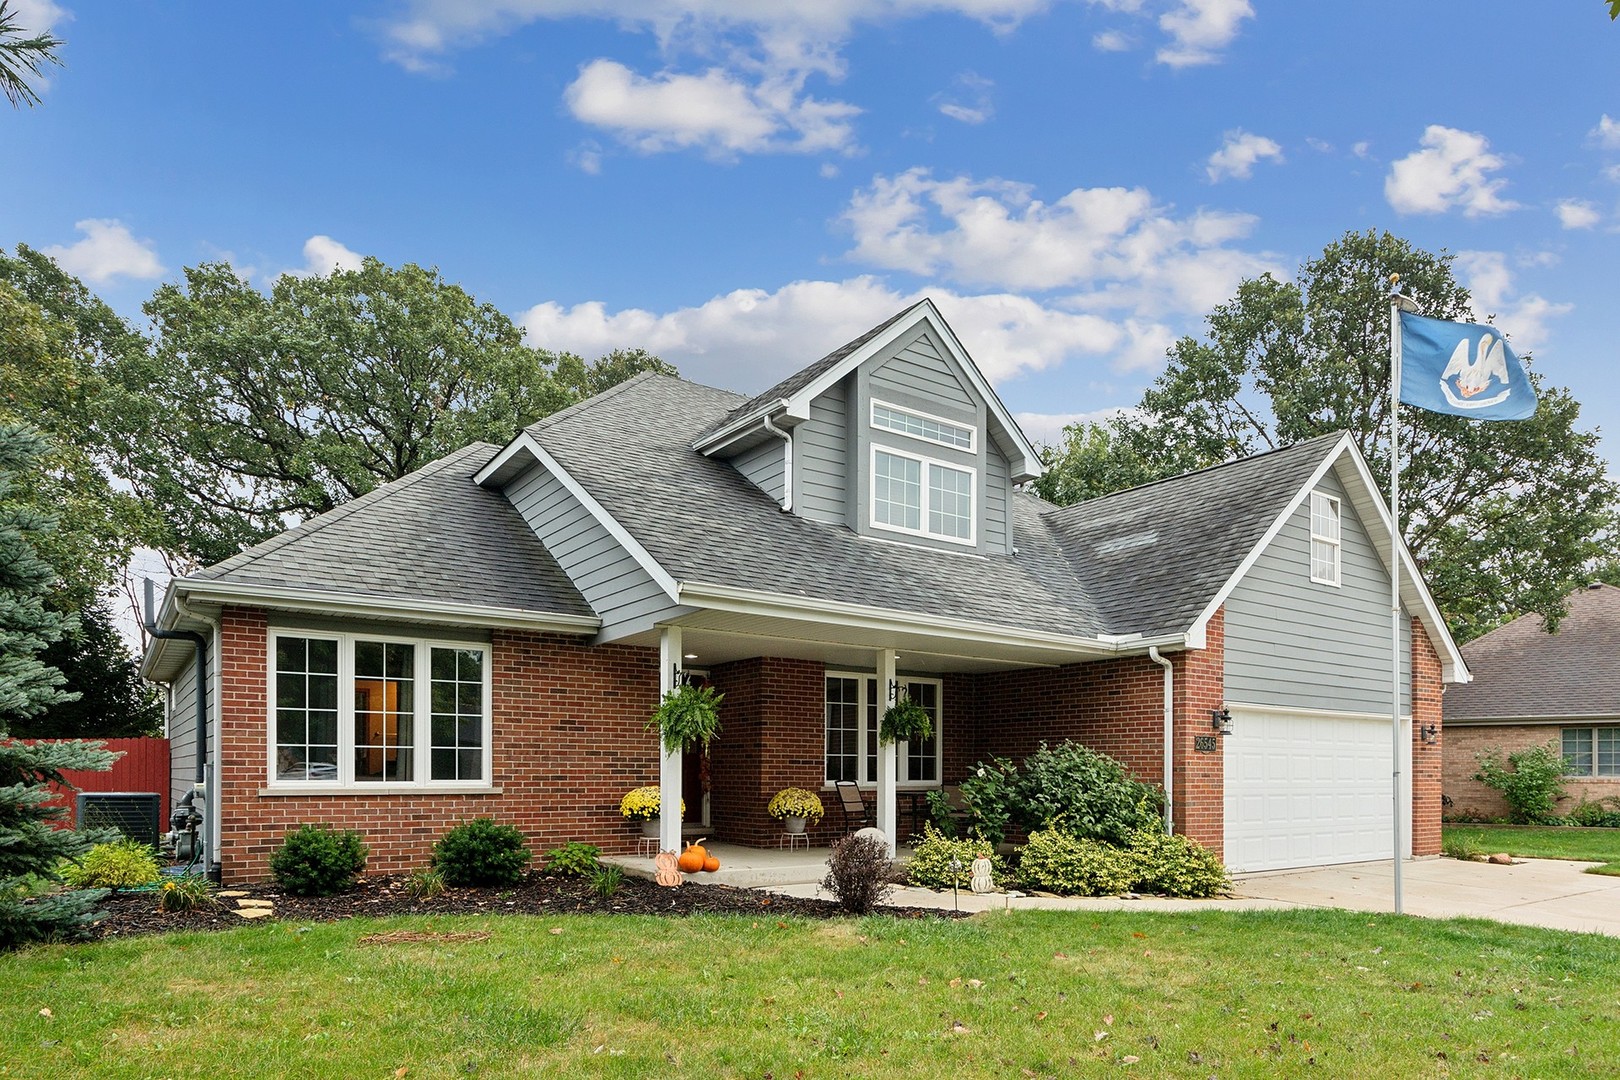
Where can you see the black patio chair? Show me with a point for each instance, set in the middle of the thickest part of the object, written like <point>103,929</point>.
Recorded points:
<point>856,814</point>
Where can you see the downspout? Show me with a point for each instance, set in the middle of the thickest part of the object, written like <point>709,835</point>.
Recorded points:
<point>200,644</point>
<point>1169,737</point>
<point>787,461</point>
<point>215,789</point>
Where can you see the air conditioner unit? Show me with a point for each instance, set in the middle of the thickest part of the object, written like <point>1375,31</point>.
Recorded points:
<point>133,813</point>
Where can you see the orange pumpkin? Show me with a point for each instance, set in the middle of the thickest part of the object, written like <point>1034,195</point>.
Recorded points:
<point>711,864</point>
<point>692,858</point>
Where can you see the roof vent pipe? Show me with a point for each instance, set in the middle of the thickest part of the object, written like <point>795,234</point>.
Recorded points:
<point>787,460</point>
<point>1169,737</point>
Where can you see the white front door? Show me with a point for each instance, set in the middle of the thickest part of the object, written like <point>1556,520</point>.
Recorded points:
<point>1308,788</point>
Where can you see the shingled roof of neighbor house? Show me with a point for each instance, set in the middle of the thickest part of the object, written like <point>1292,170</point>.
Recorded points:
<point>432,535</point>
<point>1523,672</point>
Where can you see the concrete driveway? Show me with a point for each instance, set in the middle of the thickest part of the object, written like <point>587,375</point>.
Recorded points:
<point>1537,892</point>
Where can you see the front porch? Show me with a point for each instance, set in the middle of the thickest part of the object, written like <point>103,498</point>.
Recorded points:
<point>744,867</point>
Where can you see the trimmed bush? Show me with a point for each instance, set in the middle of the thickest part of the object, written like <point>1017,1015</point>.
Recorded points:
<point>480,852</point>
<point>1086,794</point>
<point>930,865</point>
<point>859,873</point>
<point>573,859</point>
<point>1531,781</point>
<point>1057,862</point>
<point>990,794</point>
<point>1175,865</point>
<point>317,861</point>
<point>121,864</point>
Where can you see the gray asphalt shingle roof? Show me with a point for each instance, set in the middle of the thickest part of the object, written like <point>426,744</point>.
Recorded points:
<point>433,535</point>
<point>1520,670</point>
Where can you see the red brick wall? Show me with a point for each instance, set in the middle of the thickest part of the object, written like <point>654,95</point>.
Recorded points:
<point>1115,707</point>
<point>1426,758</point>
<point>568,743</point>
<point>772,736</point>
<point>1472,799</point>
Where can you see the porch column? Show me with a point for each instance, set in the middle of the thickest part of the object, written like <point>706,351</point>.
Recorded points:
<point>669,765</point>
<point>887,812</point>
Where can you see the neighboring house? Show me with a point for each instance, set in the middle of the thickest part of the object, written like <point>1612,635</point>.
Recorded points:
<point>1532,688</point>
<point>488,635</point>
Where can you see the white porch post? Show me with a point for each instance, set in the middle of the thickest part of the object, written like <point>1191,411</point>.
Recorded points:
<point>887,812</point>
<point>669,766</point>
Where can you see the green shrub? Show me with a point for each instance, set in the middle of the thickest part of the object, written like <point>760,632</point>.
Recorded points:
<point>1055,861</point>
<point>121,864</point>
<point>1084,793</point>
<point>930,865</point>
<point>480,852</point>
<point>606,880</point>
<point>990,794</point>
<point>1595,815</point>
<point>186,892</point>
<point>1460,845</point>
<point>573,859</point>
<point>317,861</point>
<point>1531,781</point>
<point>1175,865</point>
<point>424,884</point>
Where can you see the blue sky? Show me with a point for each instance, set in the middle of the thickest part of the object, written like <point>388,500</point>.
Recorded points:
<point>741,186</point>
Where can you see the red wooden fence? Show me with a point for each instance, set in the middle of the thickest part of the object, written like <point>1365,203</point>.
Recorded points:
<point>143,767</point>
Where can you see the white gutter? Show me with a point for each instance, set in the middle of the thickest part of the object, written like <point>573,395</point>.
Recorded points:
<point>787,460</point>
<point>737,427</point>
<point>1169,737</point>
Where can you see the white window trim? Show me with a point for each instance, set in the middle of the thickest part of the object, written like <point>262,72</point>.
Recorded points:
<point>973,432</point>
<point>972,538</point>
<point>421,718</point>
<point>863,741</point>
<point>1336,544</point>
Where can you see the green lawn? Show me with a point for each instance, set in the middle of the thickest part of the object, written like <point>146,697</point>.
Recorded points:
<point>1232,994</point>
<point>1542,842</point>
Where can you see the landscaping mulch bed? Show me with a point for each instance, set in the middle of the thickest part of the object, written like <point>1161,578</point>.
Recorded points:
<point>130,914</point>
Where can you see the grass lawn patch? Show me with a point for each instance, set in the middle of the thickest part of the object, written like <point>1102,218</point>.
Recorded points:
<point>1324,993</point>
<point>1543,842</point>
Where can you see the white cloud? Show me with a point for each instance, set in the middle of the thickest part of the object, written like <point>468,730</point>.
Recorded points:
<point>1239,154</point>
<point>1112,41</point>
<point>1200,29</point>
<point>107,251</point>
<point>1606,134</point>
<point>713,111</point>
<point>1451,172</point>
<point>1321,146</point>
<point>828,170</point>
<point>1115,244</point>
<point>1523,317</point>
<point>322,255</point>
<point>1048,428</point>
<point>1361,149</point>
<point>750,338</point>
<point>969,100</point>
<point>1578,214</point>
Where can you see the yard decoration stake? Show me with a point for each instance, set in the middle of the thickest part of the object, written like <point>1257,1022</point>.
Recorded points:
<point>669,875</point>
<point>1457,369</point>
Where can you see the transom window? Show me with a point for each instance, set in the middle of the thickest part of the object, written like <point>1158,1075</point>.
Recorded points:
<point>918,425</point>
<point>921,496</point>
<point>1324,538</point>
<point>348,710</point>
<point>854,707</point>
<point>1591,751</point>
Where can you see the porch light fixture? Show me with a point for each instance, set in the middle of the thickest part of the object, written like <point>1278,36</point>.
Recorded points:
<point>1221,721</point>
<point>1431,734</point>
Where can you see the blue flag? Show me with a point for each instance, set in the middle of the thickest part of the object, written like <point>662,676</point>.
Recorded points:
<point>1462,369</point>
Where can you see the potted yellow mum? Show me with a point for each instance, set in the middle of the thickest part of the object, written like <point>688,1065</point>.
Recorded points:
<point>643,804</point>
<point>794,807</point>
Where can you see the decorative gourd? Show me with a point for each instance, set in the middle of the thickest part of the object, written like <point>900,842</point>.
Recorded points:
<point>668,875</point>
<point>692,858</point>
<point>982,880</point>
<point>711,864</point>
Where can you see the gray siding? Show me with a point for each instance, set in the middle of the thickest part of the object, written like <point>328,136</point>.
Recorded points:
<point>1294,643</point>
<point>182,727</point>
<point>764,466</point>
<point>919,373</point>
<point>997,490</point>
<point>820,460</point>
<point>623,595</point>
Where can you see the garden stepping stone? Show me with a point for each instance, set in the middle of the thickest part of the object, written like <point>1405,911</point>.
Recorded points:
<point>253,913</point>
<point>247,908</point>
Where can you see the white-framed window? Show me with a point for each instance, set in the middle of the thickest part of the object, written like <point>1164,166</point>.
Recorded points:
<point>377,713</point>
<point>853,711</point>
<point>1591,752</point>
<point>920,425</point>
<point>922,496</point>
<point>1324,538</point>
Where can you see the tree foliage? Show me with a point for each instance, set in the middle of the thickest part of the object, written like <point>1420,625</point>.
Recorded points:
<point>111,700</point>
<point>1502,517</point>
<point>253,410</point>
<point>23,56</point>
<point>28,685</point>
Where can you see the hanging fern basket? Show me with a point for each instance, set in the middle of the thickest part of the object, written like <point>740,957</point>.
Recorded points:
<point>905,721</point>
<point>687,717</point>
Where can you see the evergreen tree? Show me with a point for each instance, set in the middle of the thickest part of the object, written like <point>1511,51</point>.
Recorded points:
<point>111,700</point>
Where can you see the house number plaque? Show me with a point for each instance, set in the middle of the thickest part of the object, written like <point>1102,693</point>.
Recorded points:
<point>1206,743</point>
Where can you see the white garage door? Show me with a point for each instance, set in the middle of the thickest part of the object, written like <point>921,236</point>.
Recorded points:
<point>1308,789</point>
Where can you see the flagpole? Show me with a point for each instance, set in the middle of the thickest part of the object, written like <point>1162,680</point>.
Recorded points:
<point>1395,567</point>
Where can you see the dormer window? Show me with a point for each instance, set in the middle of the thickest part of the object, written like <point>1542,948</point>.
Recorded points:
<point>918,425</point>
<point>921,496</point>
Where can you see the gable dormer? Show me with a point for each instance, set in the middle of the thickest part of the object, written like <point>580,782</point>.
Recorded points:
<point>896,436</point>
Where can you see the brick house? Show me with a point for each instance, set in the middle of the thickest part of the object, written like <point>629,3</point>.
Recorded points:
<point>488,635</point>
<point>1533,688</point>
